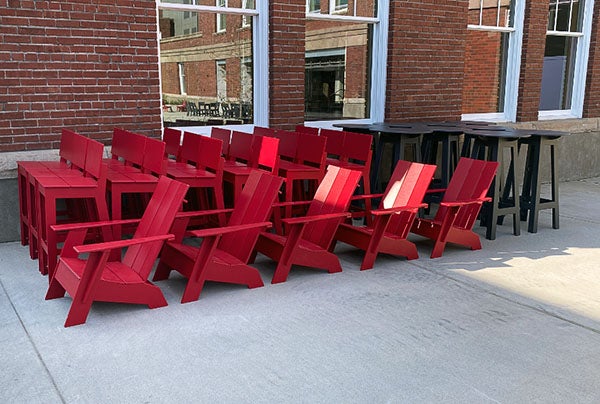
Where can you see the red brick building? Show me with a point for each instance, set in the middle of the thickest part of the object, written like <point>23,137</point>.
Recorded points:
<point>93,65</point>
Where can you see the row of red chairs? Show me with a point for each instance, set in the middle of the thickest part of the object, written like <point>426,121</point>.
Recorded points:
<point>226,252</point>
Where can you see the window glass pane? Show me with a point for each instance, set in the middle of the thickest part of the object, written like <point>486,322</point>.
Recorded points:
<point>337,70</point>
<point>491,13</point>
<point>485,72</point>
<point>357,8</point>
<point>314,6</point>
<point>558,73</point>
<point>211,73</point>
<point>564,16</point>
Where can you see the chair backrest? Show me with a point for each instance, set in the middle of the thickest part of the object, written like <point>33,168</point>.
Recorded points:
<point>240,148</point>
<point>357,148</point>
<point>307,129</point>
<point>209,156</point>
<point>128,146</point>
<point>225,136</point>
<point>265,153</point>
<point>156,220</point>
<point>72,150</point>
<point>172,139</point>
<point>407,187</point>
<point>332,196</point>
<point>471,180</point>
<point>253,205</point>
<point>262,131</point>
<point>335,142</point>
<point>154,161</point>
<point>311,150</point>
<point>288,144</point>
<point>189,148</point>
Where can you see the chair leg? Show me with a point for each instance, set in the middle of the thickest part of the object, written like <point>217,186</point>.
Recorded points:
<point>55,289</point>
<point>78,312</point>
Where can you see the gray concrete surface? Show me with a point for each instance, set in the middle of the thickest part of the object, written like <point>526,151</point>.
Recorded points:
<point>518,321</point>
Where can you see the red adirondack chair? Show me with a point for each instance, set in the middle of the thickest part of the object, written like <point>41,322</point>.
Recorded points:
<point>95,278</point>
<point>310,237</point>
<point>225,251</point>
<point>462,201</point>
<point>392,221</point>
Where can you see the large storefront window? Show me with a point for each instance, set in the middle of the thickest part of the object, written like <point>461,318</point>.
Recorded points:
<point>565,58</point>
<point>342,59</point>
<point>207,54</point>
<point>492,57</point>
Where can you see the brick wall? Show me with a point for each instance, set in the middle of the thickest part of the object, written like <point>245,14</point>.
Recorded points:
<point>426,59</point>
<point>84,65</point>
<point>532,60</point>
<point>286,60</point>
<point>591,107</point>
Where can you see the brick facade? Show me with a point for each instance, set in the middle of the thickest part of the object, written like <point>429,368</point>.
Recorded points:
<point>426,57</point>
<point>84,65</point>
<point>286,60</point>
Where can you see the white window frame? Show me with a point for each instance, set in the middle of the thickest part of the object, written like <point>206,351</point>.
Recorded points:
<point>580,69</point>
<point>513,63</point>
<point>260,50</point>
<point>221,18</point>
<point>378,63</point>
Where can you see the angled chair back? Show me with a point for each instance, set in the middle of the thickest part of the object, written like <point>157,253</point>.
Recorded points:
<point>156,220</point>
<point>311,150</point>
<point>253,205</point>
<point>209,155</point>
<point>471,180</point>
<point>72,150</point>
<point>332,196</point>
<point>172,139</point>
<point>357,148</point>
<point>407,187</point>
<point>189,148</point>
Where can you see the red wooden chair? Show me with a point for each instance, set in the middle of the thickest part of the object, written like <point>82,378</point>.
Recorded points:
<point>264,156</point>
<point>458,210</point>
<point>172,139</point>
<point>308,165</point>
<point>84,180</point>
<point>225,136</point>
<point>392,221</point>
<point>307,129</point>
<point>137,162</point>
<point>95,278</point>
<point>225,251</point>
<point>240,149</point>
<point>354,151</point>
<point>310,237</point>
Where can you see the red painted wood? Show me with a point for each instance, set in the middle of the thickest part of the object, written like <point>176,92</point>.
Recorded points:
<point>308,240</point>
<point>399,205</point>
<point>172,139</point>
<point>462,201</point>
<point>225,251</point>
<point>97,279</point>
<point>225,136</point>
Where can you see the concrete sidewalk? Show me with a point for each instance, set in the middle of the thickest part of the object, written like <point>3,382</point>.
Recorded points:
<point>518,321</point>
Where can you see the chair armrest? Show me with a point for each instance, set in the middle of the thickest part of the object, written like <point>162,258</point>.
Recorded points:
<point>382,212</point>
<point>366,196</point>
<point>464,203</point>
<point>197,213</point>
<point>89,225</point>
<point>111,245</point>
<point>216,231</point>
<point>308,219</point>
<point>436,190</point>
<point>291,203</point>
